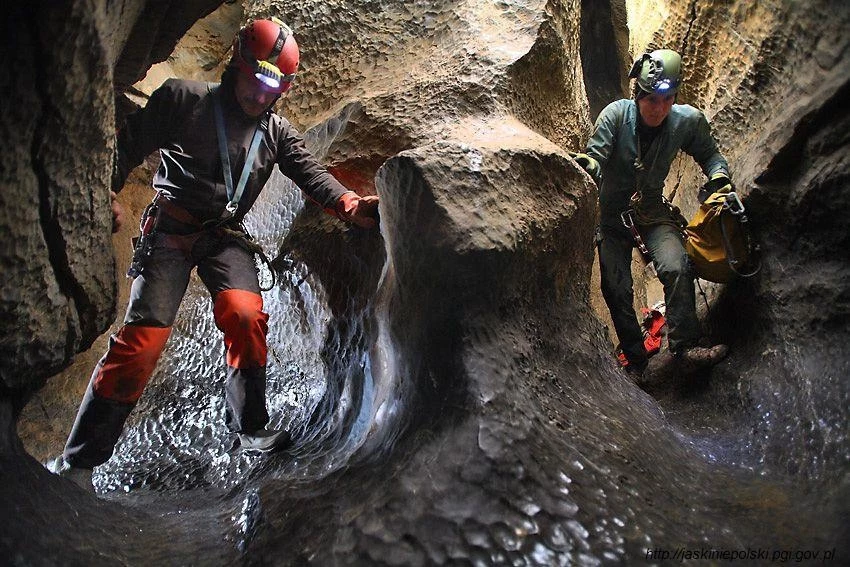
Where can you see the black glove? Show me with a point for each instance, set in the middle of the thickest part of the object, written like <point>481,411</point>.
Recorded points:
<point>719,183</point>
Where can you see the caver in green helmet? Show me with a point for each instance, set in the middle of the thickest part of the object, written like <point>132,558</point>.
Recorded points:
<point>658,72</point>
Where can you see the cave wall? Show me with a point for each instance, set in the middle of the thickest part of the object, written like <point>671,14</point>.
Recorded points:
<point>435,76</point>
<point>56,297</point>
<point>521,439</point>
<point>773,80</point>
<point>200,54</point>
<point>605,64</point>
<point>61,62</point>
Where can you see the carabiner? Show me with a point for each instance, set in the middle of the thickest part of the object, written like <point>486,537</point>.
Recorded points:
<point>733,204</point>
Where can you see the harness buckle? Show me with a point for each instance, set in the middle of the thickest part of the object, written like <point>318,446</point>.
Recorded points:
<point>227,214</point>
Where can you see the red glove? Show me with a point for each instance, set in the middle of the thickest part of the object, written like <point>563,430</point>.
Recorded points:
<point>117,212</point>
<point>362,211</point>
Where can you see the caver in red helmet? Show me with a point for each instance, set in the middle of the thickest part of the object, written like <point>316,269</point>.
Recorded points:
<point>267,51</point>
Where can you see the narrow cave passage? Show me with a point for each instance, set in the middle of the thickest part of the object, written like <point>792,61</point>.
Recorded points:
<point>529,447</point>
<point>176,465</point>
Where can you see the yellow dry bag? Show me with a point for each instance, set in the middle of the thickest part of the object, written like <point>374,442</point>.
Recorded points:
<point>717,240</point>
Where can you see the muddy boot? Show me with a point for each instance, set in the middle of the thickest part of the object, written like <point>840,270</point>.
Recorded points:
<point>79,476</point>
<point>696,358</point>
<point>265,440</point>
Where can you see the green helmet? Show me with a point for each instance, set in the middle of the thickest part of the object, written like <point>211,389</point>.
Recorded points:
<point>658,72</point>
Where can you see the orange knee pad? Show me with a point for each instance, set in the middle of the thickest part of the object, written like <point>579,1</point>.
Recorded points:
<point>125,369</point>
<point>239,315</point>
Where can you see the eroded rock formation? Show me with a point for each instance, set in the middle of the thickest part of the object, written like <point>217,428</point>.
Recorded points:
<point>61,64</point>
<point>451,389</point>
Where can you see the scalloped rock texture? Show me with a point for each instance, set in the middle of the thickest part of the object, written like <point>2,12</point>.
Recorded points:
<point>773,79</point>
<point>451,391</point>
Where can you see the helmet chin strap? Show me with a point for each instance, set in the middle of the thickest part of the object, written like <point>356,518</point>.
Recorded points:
<point>267,110</point>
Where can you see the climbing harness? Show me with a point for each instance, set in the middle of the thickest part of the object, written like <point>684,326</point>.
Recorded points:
<point>143,244</point>
<point>632,218</point>
<point>234,194</point>
<point>235,231</point>
<point>717,239</point>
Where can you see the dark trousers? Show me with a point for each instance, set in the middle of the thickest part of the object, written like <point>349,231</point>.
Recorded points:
<point>667,251</point>
<point>229,273</point>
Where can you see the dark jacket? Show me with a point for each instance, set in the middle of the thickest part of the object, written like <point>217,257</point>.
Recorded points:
<point>614,144</point>
<point>179,120</point>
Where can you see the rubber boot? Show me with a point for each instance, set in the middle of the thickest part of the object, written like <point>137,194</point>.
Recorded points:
<point>265,440</point>
<point>80,476</point>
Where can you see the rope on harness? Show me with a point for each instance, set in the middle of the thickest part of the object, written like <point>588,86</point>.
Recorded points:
<point>675,218</point>
<point>244,239</point>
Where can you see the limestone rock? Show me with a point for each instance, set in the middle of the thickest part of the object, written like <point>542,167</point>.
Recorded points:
<point>773,79</point>
<point>59,287</point>
<point>453,396</point>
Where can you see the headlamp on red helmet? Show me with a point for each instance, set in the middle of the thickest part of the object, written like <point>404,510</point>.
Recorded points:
<point>267,51</point>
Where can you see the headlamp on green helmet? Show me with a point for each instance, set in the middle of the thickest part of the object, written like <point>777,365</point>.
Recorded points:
<point>658,72</point>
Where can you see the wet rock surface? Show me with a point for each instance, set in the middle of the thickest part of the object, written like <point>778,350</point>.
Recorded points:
<point>450,390</point>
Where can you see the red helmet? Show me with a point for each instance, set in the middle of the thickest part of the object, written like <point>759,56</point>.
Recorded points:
<point>267,51</point>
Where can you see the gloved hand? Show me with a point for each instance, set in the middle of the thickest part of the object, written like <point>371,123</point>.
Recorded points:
<point>117,212</point>
<point>362,211</point>
<point>719,183</point>
<point>587,163</point>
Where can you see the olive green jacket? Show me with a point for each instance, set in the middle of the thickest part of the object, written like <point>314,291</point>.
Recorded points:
<point>614,144</point>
